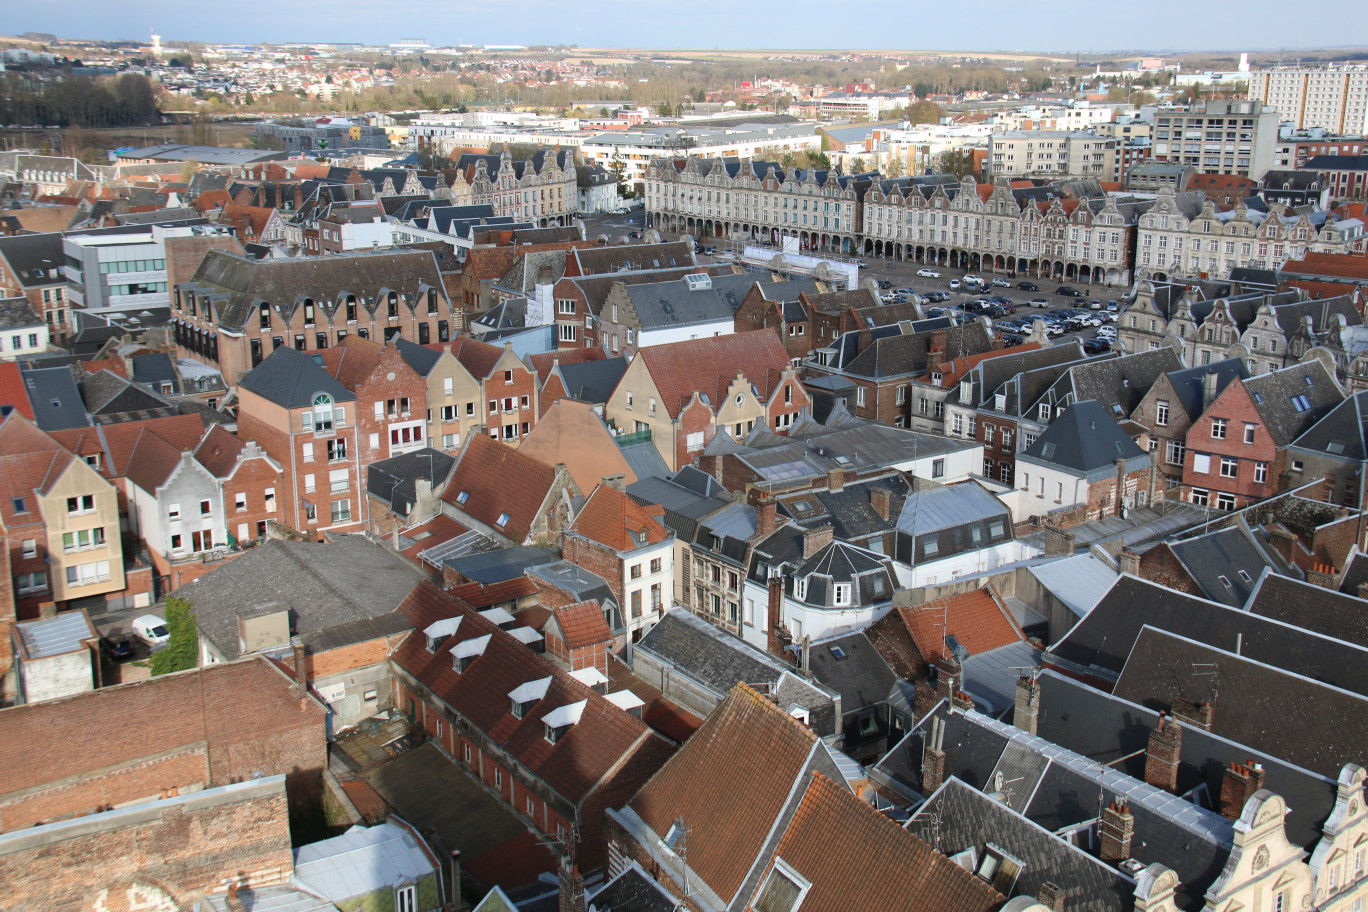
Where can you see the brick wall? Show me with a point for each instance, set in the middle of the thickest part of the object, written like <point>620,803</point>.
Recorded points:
<point>598,559</point>
<point>252,479</point>
<point>7,611</point>
<point>1160,566</point>
<point>378,388</point>
<point>175,849</point>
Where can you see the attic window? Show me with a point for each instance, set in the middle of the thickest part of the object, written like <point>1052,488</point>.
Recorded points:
<point>1309,381</point>
<point>999,869</point>
<point>468,651</point>
<point>1244,575</point>
<point>1258,397</point>
<point>19,506</point>
<point>558,720</point>
<point>502,520</point>
<point>463,497</point>
<point>837,653</point>
<point>1225,581</point>
<point>524,695</point>
<point>1047,450</point>
<point>1301,403</point>
<point>439,632</point>
<point>783,890</point>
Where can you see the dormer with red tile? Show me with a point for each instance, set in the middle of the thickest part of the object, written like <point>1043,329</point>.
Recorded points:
<point>579,636</point>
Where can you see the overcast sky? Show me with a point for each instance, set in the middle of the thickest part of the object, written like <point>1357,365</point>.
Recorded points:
<point>990,25</point>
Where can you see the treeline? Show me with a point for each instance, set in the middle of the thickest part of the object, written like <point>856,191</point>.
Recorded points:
<point>78,101</point>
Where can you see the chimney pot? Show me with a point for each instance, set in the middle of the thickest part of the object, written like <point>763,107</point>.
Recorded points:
<point>816,538</point>
<point>1116,829</point>
<point>1162,754</point>
<point>1027,704</point>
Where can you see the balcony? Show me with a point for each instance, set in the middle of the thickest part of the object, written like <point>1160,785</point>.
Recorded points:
<point>626,440</point>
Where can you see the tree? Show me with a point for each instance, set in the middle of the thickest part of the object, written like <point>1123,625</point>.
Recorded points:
<point>857,165</point>
<point>619,168</point>
<point>956,162</point>
<point>920,112</point>
<point>181,651</point>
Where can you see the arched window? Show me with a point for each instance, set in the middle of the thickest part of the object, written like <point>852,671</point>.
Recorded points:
<point>322,412</point>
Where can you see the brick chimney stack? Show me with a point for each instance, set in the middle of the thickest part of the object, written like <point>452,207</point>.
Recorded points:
<point>1201,715</point>
<point>301,665</point>
<point>949,674</point>
<point>1051,896</point>
<point>1027,704</point>
<point>765,513</point>
<point>1239,782</point>
<point>1162,754</point>
<point>1116,830</point>
<point>881,499</point>
<point>1209,380</point>
<point>836,479</point>
<point>1322,574</point>
<point>571,888</point>
<point>1058,542</point>
<point>1129,562</point>
<point>816,538</point>
<point>933,757</point>
<point>775,617</point>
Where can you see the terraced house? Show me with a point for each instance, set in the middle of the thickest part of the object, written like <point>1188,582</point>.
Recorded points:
<point>235,310</point>
<point>540,189</point>
<point>731,198</point>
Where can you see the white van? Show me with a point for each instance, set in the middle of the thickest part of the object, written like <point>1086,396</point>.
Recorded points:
<point>151,630</point>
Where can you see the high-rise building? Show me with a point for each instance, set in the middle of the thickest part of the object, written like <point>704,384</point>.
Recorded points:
<point>1218,137</point>
<point>1333,97</point>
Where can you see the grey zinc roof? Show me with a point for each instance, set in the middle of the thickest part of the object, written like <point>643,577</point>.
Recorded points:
<point>1079,581</point>
<point>1187,383</point>
<point>395,480</point>
<point>323,586</point>
<point>67,632</point>
<point>1342,433</point>
<point>1087,441</point>
<point>932,508</point>
<point>502,564</point>
<point>1338,614</point>
<point>593,381</point>
<point>292,379</point>
<point>1277,397</point>
<point>676,303</point>
<point>36,259</point>
<point>991,676</point>
<point>1225,564</point>
<point>362,860</point>
<point>645,460</point>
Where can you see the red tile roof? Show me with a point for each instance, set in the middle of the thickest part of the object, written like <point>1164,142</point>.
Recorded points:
<point>113,365</point>
<point>12,390</point>
<point>680,368</point>
<point>543,361</point>
<point>582,624</point>
<point>490,262</point>
<point>441,528</point>
<point>730,782</point>
<point>857,858</point>
<point>604,738</point>
<point>477,357</point>
<point>611,518</point>
<point>152,461</point>
<point>181,431</point>
<point>977,619</point>
<point>479,595</point>
<point>356,360</point>
<point>218,451</point>
<point>1339,265</point>
<point>497,480</point>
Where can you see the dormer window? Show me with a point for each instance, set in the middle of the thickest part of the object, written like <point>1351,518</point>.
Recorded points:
<point>463,497</point>
<point>523,696</point>
<point>800,589</point>
<point>439,632</point>
<point>842,593</point>
<point>558,721</point>
<point>468,651</point>
<point>783,890</point>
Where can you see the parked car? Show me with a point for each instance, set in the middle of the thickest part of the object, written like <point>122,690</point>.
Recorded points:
<point>970,277</point>
<point>1038,302</point>
<point>1068,291</point>
<point>1108,316</point>
<point>936,312</point>
<point>928,273</point>
<point>885,284</point>
<point>698,248</point>
<point>861,263</point>
<point>974,306</point>
<point>1096,346</point>
<point>995,311</point>
<point>1010,339</point>
<point>1108,333</point>
<point>116,647</point>
<point>151,630</point>
<point>1095,304</point>
<point>710,250</point>
<point>635,235</point>
<point>1028,286</point>
<point>955,284</point>
<point>937,296</point>
<point>904,291</point>
<point>1001,283</point>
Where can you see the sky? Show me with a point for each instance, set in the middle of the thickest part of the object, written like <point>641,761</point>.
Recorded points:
<point>993,25</point>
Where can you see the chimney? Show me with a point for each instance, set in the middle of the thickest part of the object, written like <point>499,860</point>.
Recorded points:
<point>924,699</point>
<point>1162,754</point>
<point>47,610</point>
<point>817,538</point>
<point>1051,896</point>
<point>617,482</point>
<point>1129,562</point>
<point>776,615</point>
<point>1027,703</point>
<point>1058,543</point>
<point>835,480</point>
<point>806,654</point>
<point>1208,389</point>
<point>1193,713</point>
<point>232,902</point>
<point>1282,540</point>
<point>1116,830</point>
<point>301,666</point>
<point>881,499</point>
<point>765,509</point>
<point>1321,574</point>
<point>935,355</point>
<point>933,757</point>
<point>571,888</point>
<point>1239,782</point>
<point>453,877</point>
<point>948,676</point>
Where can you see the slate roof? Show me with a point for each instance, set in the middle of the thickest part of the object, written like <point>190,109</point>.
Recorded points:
<point>1316,726</point>
<point>1276,396</point>
<point>1225,564</point>
<point>1102,641</point>
<point>685,505</point>
<point>678,369</point>
<point>1058,788</point>
<point>292,379</point>
<point>935,508</point>
<point>421,358</point>
<point>677,304</point>
<point>323,586</point>
<point>525,484</point>
<point>502,564</point>
<point>1188,383</point>
<point>850,510</point>
<point>394,481</point>
<point>36,260</point>
<point>959,817</point>
<point>631,257</point>
<point>109,394</point>
<point>857,858</point>
<point>1111,730</point>
<point>55,399</point>
<point>907,353</point>
<point>632,891</point>
<point>593,380</point>
<point>767,756</point>
<point>15,313</point>
<point>860,675</point>
<point>1086,441</point>
<point>869,573</point>
<point>603,738</point>
<point>1342,433</point>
